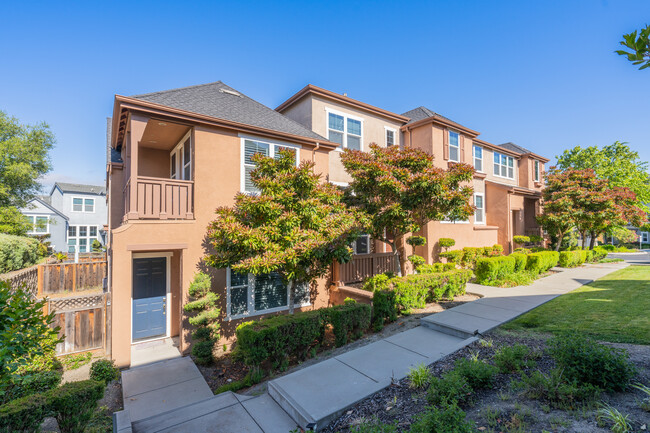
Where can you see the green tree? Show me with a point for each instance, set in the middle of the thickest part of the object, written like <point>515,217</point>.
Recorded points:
<point>558,216</point>
<point>638,44</point>
<point>24,330</point>
<point>12,222</point>
<point>400,190</point>
<point>617,163</point>
<point>296,225</point>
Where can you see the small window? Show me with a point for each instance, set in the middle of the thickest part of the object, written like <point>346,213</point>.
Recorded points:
<point>504,166</point>
<point>336,128</point>
<point>72,231</point>
<point>173,168</point>
<point>77,204</point>
<point>83,231</point>
<point>82,245</point>
<point>187,160</point>
<point>644,237</point>
<point>390,137</point>
<point>361,245</point>
<point>354,134</point>
<point>238,293</point>
<point>344,130</point>
<point>250,149</point>
<point>41,224</point>
<point>454,146</point>
<point>478,158</point>
<point>89,205</point>
<point>536,171</point>
<point>72,244</point>
<point>93,231</point>
<point>479,212</point>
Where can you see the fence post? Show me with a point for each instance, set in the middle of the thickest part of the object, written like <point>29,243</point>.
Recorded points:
<point>39,282</point>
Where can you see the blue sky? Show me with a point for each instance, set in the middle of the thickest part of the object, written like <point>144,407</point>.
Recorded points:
<point>541,74</point>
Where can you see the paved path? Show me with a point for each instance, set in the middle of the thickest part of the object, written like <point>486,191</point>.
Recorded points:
<point>313,396</point>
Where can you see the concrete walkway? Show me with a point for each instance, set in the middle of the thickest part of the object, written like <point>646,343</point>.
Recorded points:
<point>313,396</point>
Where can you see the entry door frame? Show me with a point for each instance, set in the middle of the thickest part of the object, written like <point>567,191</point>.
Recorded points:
<point>168,298</point>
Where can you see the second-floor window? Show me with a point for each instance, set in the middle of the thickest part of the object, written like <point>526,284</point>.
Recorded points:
<point>83,205</point>
<point>536,171</point>
<point>390,137</point>
<point>479,212</point>
<point>344,130</point>
<point>478,158</point>
<point>454,146</point>
<point>181,160</point>
<point>40,224</point>
<point>504,166</point>
<point>252,147</point>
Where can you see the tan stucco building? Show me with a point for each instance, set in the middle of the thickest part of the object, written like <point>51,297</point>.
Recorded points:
<point>175,156</point>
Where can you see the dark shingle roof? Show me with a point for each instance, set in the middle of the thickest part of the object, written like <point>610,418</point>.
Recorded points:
<point>420,113</point>
<point>79,188</point>
<point>223,102</point>
<point>515,148</point>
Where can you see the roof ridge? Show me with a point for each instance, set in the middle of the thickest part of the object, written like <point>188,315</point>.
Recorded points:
<point>182,88</point>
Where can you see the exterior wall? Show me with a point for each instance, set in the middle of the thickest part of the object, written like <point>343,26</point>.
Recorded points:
<point>488,168</point>
<point>57,227</point>
<point>154,163</point>
<point>98,218</point>
<point>301,112</point>
<point>216,176</point>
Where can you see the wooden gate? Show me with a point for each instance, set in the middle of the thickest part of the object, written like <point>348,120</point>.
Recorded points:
<point>82,321</point>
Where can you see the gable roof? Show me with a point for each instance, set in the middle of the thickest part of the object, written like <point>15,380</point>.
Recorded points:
<point>223,102</point>
<point>422,113</point>
<point>46,203</point>
<point>515,148</point>
<point>80,188</point>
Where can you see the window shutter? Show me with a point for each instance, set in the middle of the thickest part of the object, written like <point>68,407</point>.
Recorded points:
<point>445,144</point>
<point>462,149</point>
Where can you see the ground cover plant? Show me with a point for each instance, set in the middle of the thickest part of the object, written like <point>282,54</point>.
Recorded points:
<point>613,308</point>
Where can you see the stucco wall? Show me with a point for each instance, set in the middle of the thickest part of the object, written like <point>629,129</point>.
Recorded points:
<point>153,163</point>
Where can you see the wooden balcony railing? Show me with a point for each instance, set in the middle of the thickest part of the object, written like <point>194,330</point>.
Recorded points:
<point>363,266</point>
<point>157,198</point>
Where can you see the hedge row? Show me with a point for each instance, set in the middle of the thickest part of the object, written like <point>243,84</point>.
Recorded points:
<point>414,291</point>
<point>542,261</point>
<point>571,259</point>
<point>17,252</point>
<point>278,338</point>
<point>468,256</point>
<point>497,268</point>
<point>72,405</point>
<point>436,267</point>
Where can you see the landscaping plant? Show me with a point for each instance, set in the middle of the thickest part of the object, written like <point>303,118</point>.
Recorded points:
<point>419,376</point>
<point>73,404</point>
<point>510,359</point>
<point>619,422</point>
<point>451,388</point>
<point>557,390</point>
<point>384,308</point>
<point>104,370</point>
<point>479,374</point>
<point>349,321</point>
<point>446,243</point>
<point>206,316</point>
<point>448,418</point>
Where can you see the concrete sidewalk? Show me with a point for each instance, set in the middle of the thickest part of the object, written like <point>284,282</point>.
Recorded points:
<point>172,396</point>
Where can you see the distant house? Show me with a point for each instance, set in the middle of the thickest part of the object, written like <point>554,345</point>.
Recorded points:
<point>74,216</point>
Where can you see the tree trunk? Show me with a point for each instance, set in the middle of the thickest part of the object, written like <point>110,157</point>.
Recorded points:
<point>292,295</point>
<point>559,241</point>
<point>583,235</point>
<point>592,241</point>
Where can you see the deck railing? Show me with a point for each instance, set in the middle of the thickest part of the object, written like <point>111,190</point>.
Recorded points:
<point>158,198</point>
<point>363,266</point>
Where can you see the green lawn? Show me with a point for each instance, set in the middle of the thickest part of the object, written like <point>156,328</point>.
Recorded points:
<point>615,308</point>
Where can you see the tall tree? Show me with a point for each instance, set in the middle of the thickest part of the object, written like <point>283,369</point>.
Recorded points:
<point>638,44</point>
<point>617,163</point>
<point>400,190</point>
<point>558,216</point>
<point>296,226</point>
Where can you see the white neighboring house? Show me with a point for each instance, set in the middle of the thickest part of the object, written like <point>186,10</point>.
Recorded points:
<point>82,212</point>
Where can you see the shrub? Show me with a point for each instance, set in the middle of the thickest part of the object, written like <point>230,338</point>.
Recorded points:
<point>24,414</point>
<point>384,308</point>
<point>276,338</point>
<point>436,267</point>
<point>589,362</point>
<point>104,370</point>
<point>416,241</point>
<point>536,239</point>
<point>509,359</point>
<point>17,252</point>
<point>599,253</point>
<point>453,256</point>
<point>446,243</point>
<point>414,291</point>
<point>377,282</point>
<point>556,390</point>
<point>28,384</point>
<point>520,261</point>
<point>375,426</point>
<point>206,313</point>
<point>416,260</point>
<point>253,377</point>
<point>479,374</point>
<point>447,419</point>
<point>589,256</point>
<point>409,294</point>
<point>451,388</point>
<point>521,239</point>
<point>74,403</point>
<point>571,259</point>
<point>542,261</point>
<point>419,376</point>
<point>494,268</point>
<point>349,321</point>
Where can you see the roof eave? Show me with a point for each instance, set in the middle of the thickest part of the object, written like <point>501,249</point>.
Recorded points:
<point>129,103</point>
<point>441,121</point>
<point>498,148</point>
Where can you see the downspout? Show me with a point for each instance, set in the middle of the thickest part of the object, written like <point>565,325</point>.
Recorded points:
<point>313,152</point>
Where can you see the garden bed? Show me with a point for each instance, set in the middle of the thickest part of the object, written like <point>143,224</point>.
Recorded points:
<point>501,408</point>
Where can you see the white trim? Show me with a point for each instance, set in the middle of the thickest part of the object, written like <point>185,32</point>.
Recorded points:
<point>453,222</point>
<point>178,150</point>
<point>47,226</point>
<point>168,300</point>
<point>449,131</point>
<point>482,170</point>
<point>272,144</point>
<point>83,204</point>
<point>251,312</point>
<point>537,172</point>
<point>343,184</point>
<point>394,131</point>
<point>345,116</point>
<point>482,195</point>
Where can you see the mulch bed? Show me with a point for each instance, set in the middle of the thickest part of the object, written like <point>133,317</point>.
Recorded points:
<point>401,404</point>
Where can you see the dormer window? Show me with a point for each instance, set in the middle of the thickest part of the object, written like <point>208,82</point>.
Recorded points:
<point>345,130</point>
<point>504,166</point>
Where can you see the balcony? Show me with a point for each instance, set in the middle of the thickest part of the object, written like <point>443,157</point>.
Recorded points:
<point>158,198</point>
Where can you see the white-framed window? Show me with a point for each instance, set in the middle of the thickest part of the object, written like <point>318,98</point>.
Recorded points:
<point>454,146</point>
<point>250,295</point>
<point>80,204</point>
<point>645,237</point>
<point>40,224</point>
<point>504,166</point>
<point>181,159</point>
<point>536,171</point>
<point>250,147</point>
<point>479,212</point>
<point>81,238</point>
<point>390,136</point>
<point>345,130</point>
<point>361,245</point>
<point>477,152</point>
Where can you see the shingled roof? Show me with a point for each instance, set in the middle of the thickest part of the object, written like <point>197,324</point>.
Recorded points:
<point>420,113</point>
<point>223,102</point>
<point>515,148</point>
<point>80,188</point>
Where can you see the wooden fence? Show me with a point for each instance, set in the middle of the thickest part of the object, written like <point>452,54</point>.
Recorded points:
<point>25,278</point>
<point>70,277</point>
<point>363,266</point>
<point>82,319</point>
